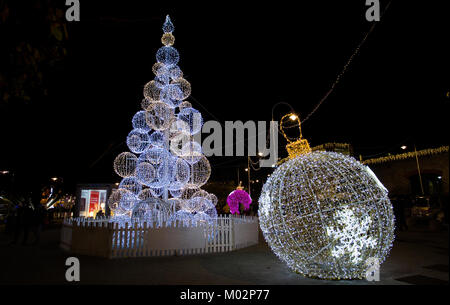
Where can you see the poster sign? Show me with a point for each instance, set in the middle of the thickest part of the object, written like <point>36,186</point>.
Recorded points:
<point>93,202</point>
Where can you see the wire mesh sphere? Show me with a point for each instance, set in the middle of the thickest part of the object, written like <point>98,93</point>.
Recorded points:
<point>189,121</point>
<point>159,115</point>
<point>176,203</point>
<point>184,89</point>
<point>114,199</point>
<point>194,205</point>
<point>325,215</point>
<point>202,218</point>
<point>203,204</point>
<point>165,173</point>
<point>188,192</point>
<point>176,193</point>
<point>169,95</point>
<point>157,191</point>
<point>157,138</point>
<point>152,91</point>
<point>237,197</point>
<point>201,193</point>
<point>125,164</point>
<point>144,105</point>
<point>200,173</point>
<point>167,55</point>
<point>131,184</point>
<point>175,72</point>
<point>128,201</point>
<point>162,80</point>
<point>192,152</point>
<point>139,121</point>
<point>212,211</point>
<point>154,155</point>
<point>138,140</point>
<point>185,104</point>
<point>213,199</point>
<point>145,173</point>
<point>145,194</point>
<point>156,66</point>
<point>180,177</point>
<point>168,39</point>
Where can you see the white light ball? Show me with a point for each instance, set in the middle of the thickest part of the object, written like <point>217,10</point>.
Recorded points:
<point>325,215</point>
<point>189,121</point>
<point>157,138</point>
<point>145,173</point>
<point>167,55</point>
<point>192,152</point>
<point>185,104</point>
<point>154,155</point>
<point>184,89</point>
<point>139,121</point>
<point>125,164</point>
<point>169,95</point>
<point>200,172</point>
<point>152,91</point>
<point>138,140</point>
<point>131,184</point>
<point>159,115</point>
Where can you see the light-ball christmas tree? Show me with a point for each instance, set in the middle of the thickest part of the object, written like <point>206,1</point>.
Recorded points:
<point>165,168</point>
<point>325,214</point>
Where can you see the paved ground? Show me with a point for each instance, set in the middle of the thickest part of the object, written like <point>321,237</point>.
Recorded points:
<point>418,257</point>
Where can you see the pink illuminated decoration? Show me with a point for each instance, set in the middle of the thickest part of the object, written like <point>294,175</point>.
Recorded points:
<point>235,198</point>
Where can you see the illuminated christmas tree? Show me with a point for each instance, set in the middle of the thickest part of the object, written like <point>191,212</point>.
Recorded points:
<point>165,168</point>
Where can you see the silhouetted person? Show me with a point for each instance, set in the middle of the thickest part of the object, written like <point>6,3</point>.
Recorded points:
<point>400,215</point>
<point>28,215</point>
<point>37,222</point>
<point>18,221</point>
<point>99,214</point>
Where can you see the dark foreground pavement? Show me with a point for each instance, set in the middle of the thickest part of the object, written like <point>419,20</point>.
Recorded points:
<point>418,257</point>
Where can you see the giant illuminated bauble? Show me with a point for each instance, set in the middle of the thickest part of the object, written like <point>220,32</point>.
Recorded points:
<point>237,197</point>
<point>326,215</point>
<point>125,164</point>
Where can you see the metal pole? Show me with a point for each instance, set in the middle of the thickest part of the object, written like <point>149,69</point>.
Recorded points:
<point>418,170</point>
<point>248,170</point>
<point>238,176</point>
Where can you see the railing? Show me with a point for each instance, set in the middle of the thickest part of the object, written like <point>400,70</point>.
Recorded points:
<point>99,237</point>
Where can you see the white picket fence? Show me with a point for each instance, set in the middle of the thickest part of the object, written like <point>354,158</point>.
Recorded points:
<point>99,237</point>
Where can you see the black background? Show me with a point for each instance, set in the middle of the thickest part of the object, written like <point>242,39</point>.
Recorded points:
<point>241,58</point>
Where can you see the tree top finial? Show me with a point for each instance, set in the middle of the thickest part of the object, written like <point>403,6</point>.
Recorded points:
<point>168,25</point>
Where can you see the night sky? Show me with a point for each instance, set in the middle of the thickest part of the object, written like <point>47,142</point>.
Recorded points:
<point>240,60</point>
